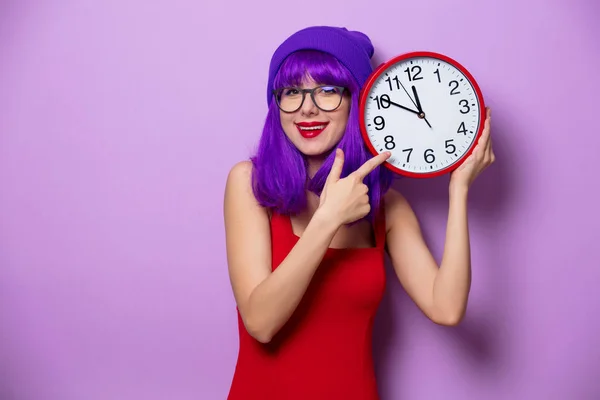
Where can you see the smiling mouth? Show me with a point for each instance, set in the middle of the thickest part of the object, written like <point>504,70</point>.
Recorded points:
<point>311,130</point>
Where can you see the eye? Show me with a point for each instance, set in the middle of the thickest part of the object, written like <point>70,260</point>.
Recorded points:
<point>329,90</point>
<point>291,92</point>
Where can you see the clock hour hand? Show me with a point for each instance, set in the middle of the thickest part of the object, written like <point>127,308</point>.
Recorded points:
<point>402,107</point>
<point>421,113</point>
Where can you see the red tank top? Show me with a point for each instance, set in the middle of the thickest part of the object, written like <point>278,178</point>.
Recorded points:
<point>324,350</point>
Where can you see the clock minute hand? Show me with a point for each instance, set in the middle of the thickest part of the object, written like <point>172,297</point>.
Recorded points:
<point>421,113</point>
<point>414,90</point>
<point>402,107</point>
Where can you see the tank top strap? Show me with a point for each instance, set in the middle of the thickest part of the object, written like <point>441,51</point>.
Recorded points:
<point>278,220</point>
<point>380,229</point>
<point>281,225</point>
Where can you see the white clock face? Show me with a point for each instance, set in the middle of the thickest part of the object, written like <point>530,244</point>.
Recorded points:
<point>426,112</point>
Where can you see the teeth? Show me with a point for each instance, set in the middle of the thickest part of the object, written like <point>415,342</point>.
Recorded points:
<point>312,128</point>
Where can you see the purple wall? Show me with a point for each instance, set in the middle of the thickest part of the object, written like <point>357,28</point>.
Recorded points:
<point>118,125</point>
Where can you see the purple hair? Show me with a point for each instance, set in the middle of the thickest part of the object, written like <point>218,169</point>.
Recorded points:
<point>279,174</point>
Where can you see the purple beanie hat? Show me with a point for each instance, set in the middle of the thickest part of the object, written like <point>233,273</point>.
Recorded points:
<point>351,48</point>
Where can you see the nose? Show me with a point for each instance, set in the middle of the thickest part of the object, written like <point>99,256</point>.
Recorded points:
<point>309,107</point>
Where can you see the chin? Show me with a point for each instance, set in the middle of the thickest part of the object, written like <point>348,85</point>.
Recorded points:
<point>314,148</point>
<point>316,153</point>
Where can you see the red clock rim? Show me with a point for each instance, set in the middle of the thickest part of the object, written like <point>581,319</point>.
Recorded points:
<point>377,73</point>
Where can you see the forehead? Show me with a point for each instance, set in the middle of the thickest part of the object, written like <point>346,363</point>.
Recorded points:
<point>308,82</point>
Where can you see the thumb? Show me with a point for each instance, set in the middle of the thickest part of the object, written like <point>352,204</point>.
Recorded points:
<point>336,168</point>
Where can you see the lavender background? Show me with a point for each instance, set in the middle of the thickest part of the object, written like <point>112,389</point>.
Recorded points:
<point>119,121</point>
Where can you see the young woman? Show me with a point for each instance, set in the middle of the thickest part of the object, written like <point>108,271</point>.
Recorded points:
<point>307,221</point>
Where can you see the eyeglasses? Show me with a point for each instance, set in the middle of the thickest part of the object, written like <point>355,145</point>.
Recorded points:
<point>325,97</point>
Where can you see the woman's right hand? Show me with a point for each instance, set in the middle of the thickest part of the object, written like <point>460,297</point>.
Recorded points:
<point>347,199</point>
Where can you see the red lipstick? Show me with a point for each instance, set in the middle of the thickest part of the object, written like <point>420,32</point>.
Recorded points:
<point>310,130</point>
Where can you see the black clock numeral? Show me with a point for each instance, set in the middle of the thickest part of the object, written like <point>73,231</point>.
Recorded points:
<point>462,129</point>
<point>383,102</point>
<point>464,103</point>
<point>416,70</point>
<point>409,153</point>
<point>389,142</point>
<point>395,79</point>
<point>428,156</point>
<point>437,72</point>
<point>379,122</point>
<point>450,148</point>
<point>454,91</point>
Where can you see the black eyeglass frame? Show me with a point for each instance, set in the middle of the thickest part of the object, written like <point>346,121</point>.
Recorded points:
<point>312,96</point>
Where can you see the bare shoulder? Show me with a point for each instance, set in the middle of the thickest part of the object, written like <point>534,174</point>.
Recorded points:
<point>397,210</point>
<point>240,205</point>
<point>393,198</point>
<point>247,234</point>
<point>238,188</point>
<point>395,202</point>
<point>240,174</point>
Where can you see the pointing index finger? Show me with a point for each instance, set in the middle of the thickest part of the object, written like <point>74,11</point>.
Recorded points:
<point>371,164</point>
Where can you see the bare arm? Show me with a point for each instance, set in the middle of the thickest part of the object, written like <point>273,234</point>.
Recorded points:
<point>441,292</point>
<point>266,299</point>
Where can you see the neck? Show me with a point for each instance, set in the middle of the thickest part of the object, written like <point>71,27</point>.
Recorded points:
<point>314,163</point>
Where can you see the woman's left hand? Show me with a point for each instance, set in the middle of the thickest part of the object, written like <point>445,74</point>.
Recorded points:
<point>481,158</point>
